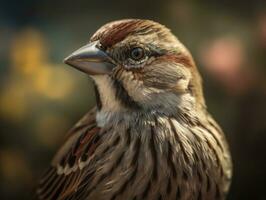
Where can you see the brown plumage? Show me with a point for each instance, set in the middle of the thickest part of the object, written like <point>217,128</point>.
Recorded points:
<point>151,136</point>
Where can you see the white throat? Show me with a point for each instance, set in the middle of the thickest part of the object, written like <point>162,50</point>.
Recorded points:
<point>109,103</point>
<point>113,110</point>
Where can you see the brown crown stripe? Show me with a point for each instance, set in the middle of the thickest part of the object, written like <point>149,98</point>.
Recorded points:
<point>118,33</point>
<point>115,32</point>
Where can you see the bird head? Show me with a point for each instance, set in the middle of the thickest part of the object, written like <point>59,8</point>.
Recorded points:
<point>139,65</point>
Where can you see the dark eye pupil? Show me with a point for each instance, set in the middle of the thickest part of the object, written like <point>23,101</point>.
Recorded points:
<point>137,53</point>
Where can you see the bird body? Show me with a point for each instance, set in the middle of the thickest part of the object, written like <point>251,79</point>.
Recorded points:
<point>150,136</point>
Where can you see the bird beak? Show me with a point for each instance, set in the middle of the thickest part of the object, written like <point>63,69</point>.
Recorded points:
<point>91,60</point>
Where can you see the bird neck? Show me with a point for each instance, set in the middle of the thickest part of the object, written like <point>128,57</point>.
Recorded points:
<point>110,109</point>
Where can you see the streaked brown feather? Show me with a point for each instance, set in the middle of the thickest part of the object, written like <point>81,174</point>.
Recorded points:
<point>153,143</point>
<point>58,183</point>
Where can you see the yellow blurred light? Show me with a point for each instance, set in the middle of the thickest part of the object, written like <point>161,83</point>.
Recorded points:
<point>50,127</point>
<point>14,166</point>
<point>29,58</point>
<point>28,51</point>
<point>32,78</point>
<point>13,102</point>
<point>53,82</point>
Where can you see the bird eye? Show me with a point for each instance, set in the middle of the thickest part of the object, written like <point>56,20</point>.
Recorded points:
<point>137,53</point>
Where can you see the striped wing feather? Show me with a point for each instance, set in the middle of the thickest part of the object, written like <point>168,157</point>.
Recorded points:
<point>67,177</point>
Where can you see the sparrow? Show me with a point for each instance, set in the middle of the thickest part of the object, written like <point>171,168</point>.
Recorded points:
<point>150,135</point>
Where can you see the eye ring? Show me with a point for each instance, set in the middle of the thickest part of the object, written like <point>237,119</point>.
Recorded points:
<point>137,53</point>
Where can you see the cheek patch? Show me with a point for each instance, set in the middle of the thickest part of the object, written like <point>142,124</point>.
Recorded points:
<point>166,76</point>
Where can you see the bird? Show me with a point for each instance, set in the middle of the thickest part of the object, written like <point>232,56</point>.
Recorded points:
<point>150,135</point>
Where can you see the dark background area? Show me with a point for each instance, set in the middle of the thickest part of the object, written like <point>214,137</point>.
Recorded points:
<point>41,98</point>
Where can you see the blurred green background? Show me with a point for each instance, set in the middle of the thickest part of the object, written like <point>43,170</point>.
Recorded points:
<point>41,98</point>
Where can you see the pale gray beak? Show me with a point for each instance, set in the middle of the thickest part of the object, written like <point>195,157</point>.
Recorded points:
<point>91,60</point>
